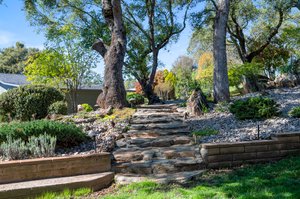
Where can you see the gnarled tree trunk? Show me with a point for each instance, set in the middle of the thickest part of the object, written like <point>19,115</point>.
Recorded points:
<point>221,83</point>
<point>114,93</point>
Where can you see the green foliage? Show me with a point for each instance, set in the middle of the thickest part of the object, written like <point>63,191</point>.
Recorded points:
<point>295,112</point>
<point>254,108</point>
<point>276,180</point>
<point>222,107</point>
<point>183,69</point>
<point>12,59</point>
<point>42,146</point>
<point>205,132</point>
<point>87,107</point>
<point>135,99</point>
<point>15,149</point>
<point>67,135</point>
<point>59,107</point>
<point>28,102</point>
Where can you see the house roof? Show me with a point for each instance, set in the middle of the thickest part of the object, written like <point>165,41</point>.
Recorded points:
<point>13,79</point>
<point>8,81</point>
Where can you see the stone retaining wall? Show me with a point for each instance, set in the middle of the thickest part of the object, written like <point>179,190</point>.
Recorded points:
<point>221,155</point>
<point>33,169</point>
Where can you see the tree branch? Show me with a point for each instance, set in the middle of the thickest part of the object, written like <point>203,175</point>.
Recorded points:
<point>100,47</point>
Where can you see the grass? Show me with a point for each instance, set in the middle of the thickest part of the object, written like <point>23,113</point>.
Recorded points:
<point>66,194</point>
<point>205,132</point>
<point>278,180</point>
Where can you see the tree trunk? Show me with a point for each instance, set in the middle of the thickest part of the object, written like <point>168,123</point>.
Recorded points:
<point>221,83</point>
<point>114,93</point>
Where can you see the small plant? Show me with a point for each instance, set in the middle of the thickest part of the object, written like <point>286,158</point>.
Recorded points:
<point>295,112</point>
<point>135,99</point>
<point>87,107</point>
<point>254,108</point>
<point>42,146</point>
<point>13,149</point>
<point>204,132</point>
<point>59,107</point>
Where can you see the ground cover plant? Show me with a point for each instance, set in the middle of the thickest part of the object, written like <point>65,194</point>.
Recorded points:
<point>277,180</point>
<point>295,112</point>
<point>254,108</point>
<point>67,135</point>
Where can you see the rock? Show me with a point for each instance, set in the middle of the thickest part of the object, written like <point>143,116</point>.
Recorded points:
<point>197,104</point>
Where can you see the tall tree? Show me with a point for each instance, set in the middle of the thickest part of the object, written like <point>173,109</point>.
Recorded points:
<point>153,24</point>
<point>12,59</point>
<point>93,19</point>
<point>221,83</point>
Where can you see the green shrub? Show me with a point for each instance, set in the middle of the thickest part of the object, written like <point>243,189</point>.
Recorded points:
<point>135,99</point>
<point>59,107</point>
<point>29,101</point>
<point>254,108</point>
<point>67,135</point>
<point>87,107</point>
<point>295,112</point>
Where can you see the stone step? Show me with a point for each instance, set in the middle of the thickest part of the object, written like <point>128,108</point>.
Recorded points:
<point>160,166</point>
<point>173,178</point>
<point>151,153</point>
<point>161,115</point>
<point>172,125</point>
<point>33,188</point>
<point>154,133</point>
<point>157,106</point>
<point>159,120</point>
<point>162,141</point>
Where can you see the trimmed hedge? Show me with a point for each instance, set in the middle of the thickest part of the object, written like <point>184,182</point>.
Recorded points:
<point>67,135</point>
<point>254,108</point>
<point>29,101</point>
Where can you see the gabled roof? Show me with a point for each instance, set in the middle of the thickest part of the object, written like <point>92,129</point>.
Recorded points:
<point>13,79</point>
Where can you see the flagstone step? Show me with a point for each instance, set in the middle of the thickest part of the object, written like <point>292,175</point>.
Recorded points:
<point>174,178</point>
<point>149,126</point>
<point>160,166</point>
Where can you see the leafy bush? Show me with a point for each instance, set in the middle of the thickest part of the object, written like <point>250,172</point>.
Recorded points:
<point>42,146</point>
<point>135,99</point>
<point>254,108</point>
<point>29,101</point>
<point>59,107</point>
<point>87,107</point>
<point>67,135</point>
<point>295,112</point>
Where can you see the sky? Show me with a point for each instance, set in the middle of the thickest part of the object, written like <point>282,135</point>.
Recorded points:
<point>14,27</point>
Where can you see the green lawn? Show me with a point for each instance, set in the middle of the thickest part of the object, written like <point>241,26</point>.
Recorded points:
<point>278,180</point>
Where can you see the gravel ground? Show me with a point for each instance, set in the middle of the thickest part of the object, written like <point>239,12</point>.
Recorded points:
<point>232,130</point>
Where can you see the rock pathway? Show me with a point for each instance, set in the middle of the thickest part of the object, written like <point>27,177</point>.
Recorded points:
<point>158,146</point>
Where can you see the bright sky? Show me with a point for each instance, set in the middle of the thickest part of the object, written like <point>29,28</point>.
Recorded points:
<point>14,27</point>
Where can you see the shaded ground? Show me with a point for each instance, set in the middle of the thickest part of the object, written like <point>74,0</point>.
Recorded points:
<point>232,130</point>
